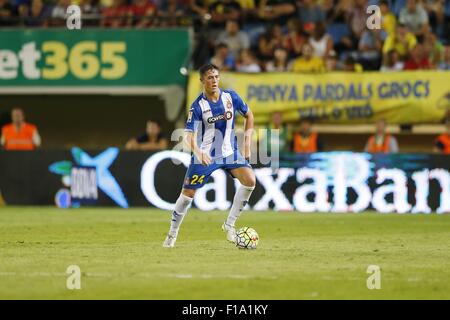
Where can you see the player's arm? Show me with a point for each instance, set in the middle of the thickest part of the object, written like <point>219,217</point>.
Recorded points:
<point>192,146</point>
<point>248,127</point>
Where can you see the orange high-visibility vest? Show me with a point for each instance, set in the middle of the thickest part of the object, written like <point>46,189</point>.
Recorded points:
<point>19,139</point>
<point>375,148</point>
<point>445,140</point>
<point>306,145</point>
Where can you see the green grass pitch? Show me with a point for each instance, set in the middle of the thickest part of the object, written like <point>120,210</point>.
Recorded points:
<point>300,256</point>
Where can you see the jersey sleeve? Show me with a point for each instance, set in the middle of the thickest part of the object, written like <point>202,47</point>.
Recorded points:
<point>240,105</point>
<point>194,118</point>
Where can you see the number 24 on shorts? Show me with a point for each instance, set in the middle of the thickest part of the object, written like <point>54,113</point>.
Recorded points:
<point>197,179</point>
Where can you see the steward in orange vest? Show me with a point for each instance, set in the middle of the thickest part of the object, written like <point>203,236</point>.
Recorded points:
<point>382,145</point>
<point>19,135</point>
<point>443,141</point>
<point>306,141</point>
<point>381,142</point>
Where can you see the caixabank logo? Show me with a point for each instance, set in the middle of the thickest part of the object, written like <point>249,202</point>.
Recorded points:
<point>84,176</point>
<point>325,182</point>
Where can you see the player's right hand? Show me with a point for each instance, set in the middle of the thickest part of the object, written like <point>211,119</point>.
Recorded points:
<point>206,159</point>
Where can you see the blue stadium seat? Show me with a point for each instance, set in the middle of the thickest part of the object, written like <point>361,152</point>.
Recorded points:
<point>373,2</point>
<point>447,8</point>
<point>337,31</point>
<point>398,6</point>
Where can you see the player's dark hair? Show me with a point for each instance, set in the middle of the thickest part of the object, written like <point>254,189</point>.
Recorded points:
<point>205,68</point>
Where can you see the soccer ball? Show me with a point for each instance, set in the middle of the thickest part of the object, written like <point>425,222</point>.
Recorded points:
<point>246,238</point>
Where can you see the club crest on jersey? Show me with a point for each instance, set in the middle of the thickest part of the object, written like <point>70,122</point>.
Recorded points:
<point>229,106</point>
<point>226,116</point>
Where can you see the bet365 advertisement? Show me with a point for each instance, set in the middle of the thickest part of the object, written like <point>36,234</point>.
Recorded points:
<point>93,58</point>
<point>320,182</point>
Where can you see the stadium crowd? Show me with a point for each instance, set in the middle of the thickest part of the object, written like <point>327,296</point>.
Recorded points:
<point>273,35</point>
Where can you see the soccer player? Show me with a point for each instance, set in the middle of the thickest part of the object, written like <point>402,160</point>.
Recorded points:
<point>211,117</point>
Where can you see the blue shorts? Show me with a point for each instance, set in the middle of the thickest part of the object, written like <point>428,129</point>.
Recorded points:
<point>197,174</point>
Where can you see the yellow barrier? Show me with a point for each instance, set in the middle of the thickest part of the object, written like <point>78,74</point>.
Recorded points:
<point>399,97</point>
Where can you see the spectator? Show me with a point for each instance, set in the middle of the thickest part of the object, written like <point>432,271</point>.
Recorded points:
<point>105,3</point>
<point>445,64</point>
<point>171,13</point>
<point>357,21</point>
<point>264,52</point>
<point>247,62</point>
<point>153,139</point>
<point>436,12</point>
<point>59,13</point>
<point>392,62</point>
<point>294,39</point>
<point>280,61</point>
<point>235,39</point>
<point>6,13</point>
<point>38,15</point>
<point>276,36</point>
<point>369,49</point>
<point>350,65</point>
<point>310,14</point>
<point>337,11</point>
<point>388,20</point>
<point>417,59</point>
<point>433,49</point>
<point>23,10</point>
<point>305,140</point>
<point>268,139</point>
<point>222,58</point>
<point>199,8</point>
<point>141,14</point>
<point>223,10</point>
<point>116,15</point>
<point>249,10</point>
<point>402,41</point>
<point>442,143</point>
<point>307,62</point>
<point>278,11</point>
<point>19,135</point>
<point>247,5</point>
<point>414,17</point>
<point>331,63</point>
<point>381,142</point>
<point>321,41</point>
<point>91,12</point>
<point>267,43</point>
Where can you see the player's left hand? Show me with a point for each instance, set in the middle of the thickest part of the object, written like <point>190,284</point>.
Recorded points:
<point>247,154</point>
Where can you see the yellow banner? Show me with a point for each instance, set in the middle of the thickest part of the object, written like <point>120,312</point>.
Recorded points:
<point>398,97</point>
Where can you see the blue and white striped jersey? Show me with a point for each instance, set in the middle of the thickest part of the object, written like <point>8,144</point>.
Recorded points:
<point>214,123</point>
